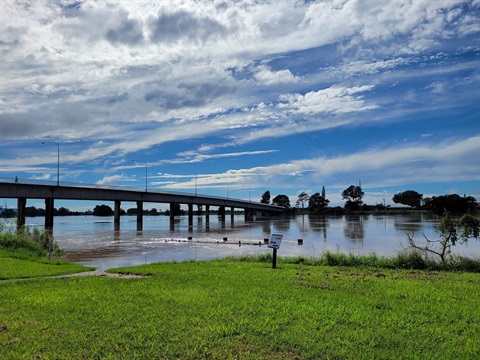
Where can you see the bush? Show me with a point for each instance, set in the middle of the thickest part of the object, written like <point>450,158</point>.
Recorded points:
<point>37,242</point>
<point>409,260</point>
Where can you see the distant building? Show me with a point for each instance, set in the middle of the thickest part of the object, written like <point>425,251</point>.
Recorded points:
<point>400,207</point>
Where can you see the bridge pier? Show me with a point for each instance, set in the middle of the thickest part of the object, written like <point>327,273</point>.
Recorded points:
<point>232,214</point>
<point>172,215</point>
<point>116,215</point>
<point>190,216</point>
<point>221,213</point>
<point>49,202</point>
<point>139,215</point>
<point>207,215</point>
<point>248,214</point>
<point>21,204</point>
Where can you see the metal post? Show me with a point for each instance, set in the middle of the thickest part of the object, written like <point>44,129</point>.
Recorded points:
<point>58,161</point>
<point>58,164</point>
<point>274,259</point>
<point>146,177</point>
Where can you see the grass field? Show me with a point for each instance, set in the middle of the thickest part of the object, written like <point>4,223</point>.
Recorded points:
<point>233,309</point>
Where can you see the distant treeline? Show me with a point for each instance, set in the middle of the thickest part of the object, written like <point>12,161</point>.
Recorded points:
<point>318,203</point>
<point>99,210</point>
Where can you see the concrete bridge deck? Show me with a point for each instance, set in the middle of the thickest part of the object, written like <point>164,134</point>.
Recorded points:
<point>23,191</point>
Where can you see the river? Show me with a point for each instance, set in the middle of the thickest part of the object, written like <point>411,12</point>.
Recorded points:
<point>92,240</point>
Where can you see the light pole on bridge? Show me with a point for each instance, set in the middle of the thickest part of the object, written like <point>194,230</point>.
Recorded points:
<point>58,161</point>
<point>146,175</point>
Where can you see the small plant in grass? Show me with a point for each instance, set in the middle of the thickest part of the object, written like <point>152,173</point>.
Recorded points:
<point>451,232</point>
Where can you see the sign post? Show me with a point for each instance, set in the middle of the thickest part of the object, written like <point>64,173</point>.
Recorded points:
<point>274,243</point>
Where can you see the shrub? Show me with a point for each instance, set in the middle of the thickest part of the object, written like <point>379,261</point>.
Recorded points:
<point>37,242</point>
<point>409,260</point>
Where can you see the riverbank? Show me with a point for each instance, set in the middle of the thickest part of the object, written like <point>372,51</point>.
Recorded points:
<point>243,309</point>
<point>334,306</point>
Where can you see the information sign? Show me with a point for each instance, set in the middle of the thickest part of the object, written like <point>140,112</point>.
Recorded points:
<point>275,241</point>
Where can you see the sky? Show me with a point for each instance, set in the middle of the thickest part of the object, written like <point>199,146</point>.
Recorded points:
<point>234,98</point>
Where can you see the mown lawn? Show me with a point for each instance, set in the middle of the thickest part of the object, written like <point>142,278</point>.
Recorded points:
<point>11,268</point>
<point>243,310</point>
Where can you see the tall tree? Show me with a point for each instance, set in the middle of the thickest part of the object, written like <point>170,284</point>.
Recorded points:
<point>353,194</point>
<point>281,200</point>
<point>409,197</point>
<point>102,210</point>
<point>323,192</point>
<point>265,197</point>
<point>317,204</point>
<point>303,198</point>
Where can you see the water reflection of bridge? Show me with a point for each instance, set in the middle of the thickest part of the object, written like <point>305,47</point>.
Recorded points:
<point>23,191</point>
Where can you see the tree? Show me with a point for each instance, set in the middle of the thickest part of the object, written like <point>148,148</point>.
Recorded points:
<point>409,197</point>
<point>265,197</point>
<point>63,212</point>
<point>303,197</point>
<point>176,209</point>
<point>102,210</point>
<point>7,213</point>
<point>353,194</point>
<point>453,204</point>
<point>451,231</point>
<point>317,204</point>
<point>132,211</point>
<point>281,200</point>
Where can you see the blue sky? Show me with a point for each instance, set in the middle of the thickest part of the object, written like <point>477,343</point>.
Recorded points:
<point>239,97</point>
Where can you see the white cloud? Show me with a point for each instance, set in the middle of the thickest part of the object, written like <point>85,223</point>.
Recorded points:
<point>113,179</point>
<point>335,99</point>
<point>382,167</point>
<point>266,76</point>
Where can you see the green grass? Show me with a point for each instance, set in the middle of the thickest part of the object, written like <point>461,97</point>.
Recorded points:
<point>12,268</point>
<point>24,255</point>
<point>233,309</point>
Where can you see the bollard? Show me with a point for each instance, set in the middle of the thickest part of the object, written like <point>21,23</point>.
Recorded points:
<point>225,239</point>
<point>300,241</point>
<point>189,238</point>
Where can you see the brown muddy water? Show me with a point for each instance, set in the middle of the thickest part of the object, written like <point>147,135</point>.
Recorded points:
<point>92,241</point>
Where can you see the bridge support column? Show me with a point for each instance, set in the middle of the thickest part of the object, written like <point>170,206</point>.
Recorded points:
<point>232,214</point>
<point>49,203</point>
<point>172,214</point>
<point>21,203</point>
<point>248,214</point>
<point>207,215</point>
<point>190,216</point>
<point>221,213</point>
<point>116,215</point>
<point>139,215</point>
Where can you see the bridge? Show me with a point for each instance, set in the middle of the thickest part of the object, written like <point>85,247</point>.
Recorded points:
<point>23,191</point>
